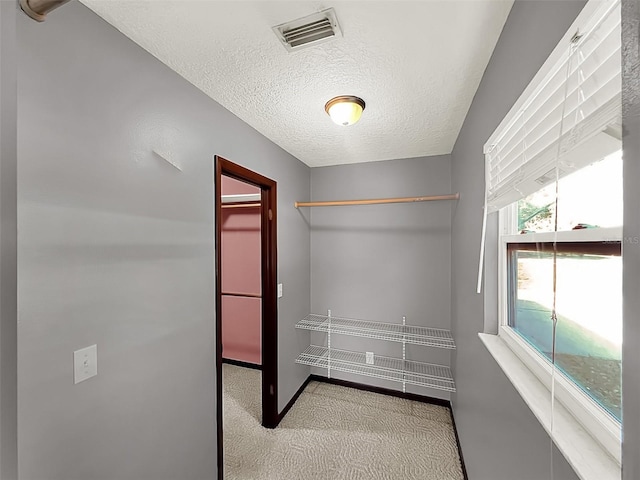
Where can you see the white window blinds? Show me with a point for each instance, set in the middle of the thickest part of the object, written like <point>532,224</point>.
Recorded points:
<point>569,116</point>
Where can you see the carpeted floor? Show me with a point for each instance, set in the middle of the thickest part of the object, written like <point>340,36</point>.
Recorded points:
<point>335,433</point>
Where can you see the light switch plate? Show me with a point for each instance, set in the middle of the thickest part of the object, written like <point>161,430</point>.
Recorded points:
<point>85,363</point>
<point>279,290</point>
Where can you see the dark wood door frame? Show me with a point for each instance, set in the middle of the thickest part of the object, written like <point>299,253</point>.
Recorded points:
<point>269,292</point>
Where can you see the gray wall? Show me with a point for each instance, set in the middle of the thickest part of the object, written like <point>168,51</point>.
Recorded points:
<point>116,248</point>
<point>631,246</point>
<point>500,437</point>
<point>8,247</point>
<point>381,262</point>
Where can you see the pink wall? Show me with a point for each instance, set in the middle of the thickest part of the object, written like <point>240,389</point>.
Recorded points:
<point>231,186</point>
<point>241,270</point>
<point>241,273</point>
<point>241,329</point>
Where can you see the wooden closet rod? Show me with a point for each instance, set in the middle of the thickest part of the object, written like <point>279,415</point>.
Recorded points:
<point>377,201</point>
<point>240,205</point>
<point>247,295</point>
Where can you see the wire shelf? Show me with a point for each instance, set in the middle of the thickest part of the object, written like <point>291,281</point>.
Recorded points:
<point>386,368</point>
<point>394,332</point>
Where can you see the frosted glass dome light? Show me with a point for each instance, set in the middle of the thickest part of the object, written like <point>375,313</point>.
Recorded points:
<point>345,110</point>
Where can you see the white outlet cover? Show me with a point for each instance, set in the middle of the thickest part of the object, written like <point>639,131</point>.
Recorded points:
<point>279,290</point>
<point>85,363</point>
<point>369,356</point>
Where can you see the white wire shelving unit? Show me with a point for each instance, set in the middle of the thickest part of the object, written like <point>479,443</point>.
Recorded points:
<point>401,370</point>
<point>385,368</point>
<point>392,332</point>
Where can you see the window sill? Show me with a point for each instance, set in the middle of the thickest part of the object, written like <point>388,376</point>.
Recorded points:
<point>587,458</point>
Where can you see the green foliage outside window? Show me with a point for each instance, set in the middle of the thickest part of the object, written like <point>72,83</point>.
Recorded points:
<point>533,217</point>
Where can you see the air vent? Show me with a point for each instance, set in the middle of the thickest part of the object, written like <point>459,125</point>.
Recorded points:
<point>311,30</point>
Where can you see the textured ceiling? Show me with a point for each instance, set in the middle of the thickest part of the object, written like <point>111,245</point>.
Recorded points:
<point>417,65</point>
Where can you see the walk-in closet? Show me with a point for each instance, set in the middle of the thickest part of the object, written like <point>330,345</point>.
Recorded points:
<point>344,240</point>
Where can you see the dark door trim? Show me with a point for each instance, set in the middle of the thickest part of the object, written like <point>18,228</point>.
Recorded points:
<point>269,293</point>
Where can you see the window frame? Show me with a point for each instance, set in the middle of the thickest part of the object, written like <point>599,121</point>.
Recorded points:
<point>599,423</point>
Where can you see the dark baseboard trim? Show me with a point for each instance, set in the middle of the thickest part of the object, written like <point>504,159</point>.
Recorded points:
<point>293,400</point>
<point>455,430</point>
<point>384,391</point>
<point>239,363</point>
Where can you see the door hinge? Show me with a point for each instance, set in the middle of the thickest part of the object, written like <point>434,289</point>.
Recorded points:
<point>271,389</point>
<point>270,214</point>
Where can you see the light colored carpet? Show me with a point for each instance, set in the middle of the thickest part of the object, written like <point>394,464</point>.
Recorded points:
<point>335,433</point>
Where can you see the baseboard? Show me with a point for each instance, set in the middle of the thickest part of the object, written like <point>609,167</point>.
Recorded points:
<point>293,400</point>
<point>455,431</point>
<point>383,391</point>
<point>239,363</point>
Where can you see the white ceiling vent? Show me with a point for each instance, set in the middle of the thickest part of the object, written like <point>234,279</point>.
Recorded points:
<point>309,30</point>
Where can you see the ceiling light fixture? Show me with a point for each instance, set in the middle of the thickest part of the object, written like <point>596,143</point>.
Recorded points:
<point>345,110</point>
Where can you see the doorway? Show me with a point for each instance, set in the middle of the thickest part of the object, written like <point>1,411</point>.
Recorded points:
<point>258,206</point>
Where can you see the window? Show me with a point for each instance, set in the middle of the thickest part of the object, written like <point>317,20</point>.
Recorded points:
<point>587,254</point>
<point>554,174</point>
<point>588,340</point>
<point>586,346</point>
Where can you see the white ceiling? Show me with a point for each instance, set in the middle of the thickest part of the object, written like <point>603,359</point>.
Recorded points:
<point>417,65</point>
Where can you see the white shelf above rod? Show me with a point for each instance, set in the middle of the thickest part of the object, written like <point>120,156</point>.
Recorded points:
<point>241,197</point>
<point>242,200</point>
